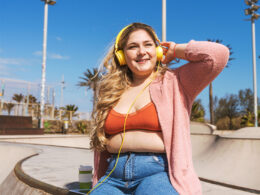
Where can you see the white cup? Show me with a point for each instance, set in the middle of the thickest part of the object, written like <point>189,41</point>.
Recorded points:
<point>85,177</point>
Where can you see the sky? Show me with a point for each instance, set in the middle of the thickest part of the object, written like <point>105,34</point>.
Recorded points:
<point>80,32</point>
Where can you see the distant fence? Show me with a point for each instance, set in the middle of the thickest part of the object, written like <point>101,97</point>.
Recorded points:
<point>9,87</point>
<point>50,112</point>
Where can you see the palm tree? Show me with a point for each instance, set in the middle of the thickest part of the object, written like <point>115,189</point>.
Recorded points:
<point>210,85</point>
<point>18,98</point>
<point>32,99</point>
<point>70,111</point>
<point>197,111</point>
<point>33,104</point>
<point>8,107</point>
<point>90,80</point>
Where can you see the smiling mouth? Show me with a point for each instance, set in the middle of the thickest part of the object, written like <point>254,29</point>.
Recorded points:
<point>142,60</point>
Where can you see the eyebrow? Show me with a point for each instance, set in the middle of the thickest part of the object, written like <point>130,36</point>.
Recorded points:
<point>146,41</point>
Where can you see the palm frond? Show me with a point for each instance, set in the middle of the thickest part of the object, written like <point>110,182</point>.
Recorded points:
<point>89,79</point>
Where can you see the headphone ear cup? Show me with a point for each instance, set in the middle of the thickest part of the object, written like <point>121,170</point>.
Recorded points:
<point>159,53</point>
<point>120,57</point>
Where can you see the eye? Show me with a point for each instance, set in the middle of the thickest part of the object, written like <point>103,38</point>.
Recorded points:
<point>132,47</point>
<point>149,44</point>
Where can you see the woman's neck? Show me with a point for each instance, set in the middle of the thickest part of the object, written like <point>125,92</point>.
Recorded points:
<point>139,80</point>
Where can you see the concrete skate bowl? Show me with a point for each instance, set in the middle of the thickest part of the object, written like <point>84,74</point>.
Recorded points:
<point>10,155</point>
<point>230,160</point>
<point>13,180</point>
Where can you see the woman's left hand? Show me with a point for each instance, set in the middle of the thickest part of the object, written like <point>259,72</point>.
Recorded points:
<point>168,51</point>
<point>173,50</point>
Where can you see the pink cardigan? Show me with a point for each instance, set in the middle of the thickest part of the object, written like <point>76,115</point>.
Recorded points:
<point>173,96</point>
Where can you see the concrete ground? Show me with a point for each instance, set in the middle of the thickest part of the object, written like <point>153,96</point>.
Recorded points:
<point>10,154</point>
<point>58,166</point>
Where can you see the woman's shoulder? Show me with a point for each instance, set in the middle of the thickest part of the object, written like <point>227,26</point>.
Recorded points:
<point>169,74</point>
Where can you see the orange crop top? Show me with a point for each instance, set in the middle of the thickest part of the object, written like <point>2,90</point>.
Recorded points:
<point>143,119</point>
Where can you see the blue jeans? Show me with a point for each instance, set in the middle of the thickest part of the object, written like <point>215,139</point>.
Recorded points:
<point>138,174</point>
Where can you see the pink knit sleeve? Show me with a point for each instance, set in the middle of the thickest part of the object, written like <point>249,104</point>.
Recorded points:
<point>96,165</point>
<point>100,165</point>
<point>206,61</point>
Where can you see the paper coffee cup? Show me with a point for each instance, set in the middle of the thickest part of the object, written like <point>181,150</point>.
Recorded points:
<point>85,177</point>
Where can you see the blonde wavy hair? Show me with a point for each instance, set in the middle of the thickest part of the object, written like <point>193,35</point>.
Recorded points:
<point>112,85</point>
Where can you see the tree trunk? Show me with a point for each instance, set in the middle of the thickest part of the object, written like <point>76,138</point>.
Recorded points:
<point>94,96</point>
<point>1,107</point>
<point>230,123</point>
<point>211,104</point>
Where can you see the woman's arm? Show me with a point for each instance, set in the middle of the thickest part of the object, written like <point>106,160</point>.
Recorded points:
<point>206,61</point>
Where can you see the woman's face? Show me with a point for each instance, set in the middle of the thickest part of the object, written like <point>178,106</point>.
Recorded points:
<point>140,53</point>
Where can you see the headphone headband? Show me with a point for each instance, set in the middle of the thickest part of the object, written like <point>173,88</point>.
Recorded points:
<point>121,32</point>
<point>119,36</point>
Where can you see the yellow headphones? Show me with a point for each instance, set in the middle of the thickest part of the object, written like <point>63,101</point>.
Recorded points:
<point>120,53</point>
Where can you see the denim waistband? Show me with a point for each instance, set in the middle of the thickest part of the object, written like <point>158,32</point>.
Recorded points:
<point>136,165</point>
<point>139,154</point>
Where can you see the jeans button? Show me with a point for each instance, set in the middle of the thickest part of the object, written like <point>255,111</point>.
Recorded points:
<point>156,158</point>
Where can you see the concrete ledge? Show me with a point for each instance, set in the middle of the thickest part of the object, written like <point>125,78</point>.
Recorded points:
<point>230,162</point>
<point>18,125</point>
<point>34,183</point>
<point>12,185</point>
<point>21,131</point>
<point>244,133</point>
<point>75,141</point>
<point>230,186</point>
<point>200,128</point>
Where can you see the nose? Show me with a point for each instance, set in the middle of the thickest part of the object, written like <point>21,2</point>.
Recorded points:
<point>141,51</point>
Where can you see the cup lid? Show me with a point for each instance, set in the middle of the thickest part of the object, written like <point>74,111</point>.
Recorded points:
<point>85,168</point>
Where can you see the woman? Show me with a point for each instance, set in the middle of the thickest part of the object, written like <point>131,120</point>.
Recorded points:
<point>156,154</point>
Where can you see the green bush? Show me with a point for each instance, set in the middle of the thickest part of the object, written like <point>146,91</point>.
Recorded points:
<point>83,126</point>
<point>56,126</point>
<point>223,123</point>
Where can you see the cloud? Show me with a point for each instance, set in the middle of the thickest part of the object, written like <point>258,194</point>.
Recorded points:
<point>58,38</point>
<point>57,56</point>
<point>37,53</point>
<point>54,56</point>
<point>11,66</point>
<point>13,61</point>
<point>3,70</point>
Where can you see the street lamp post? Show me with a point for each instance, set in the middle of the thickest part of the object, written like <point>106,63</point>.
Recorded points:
<point>44,49</point>
<point>163,20</point>
<point>254,16</point>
